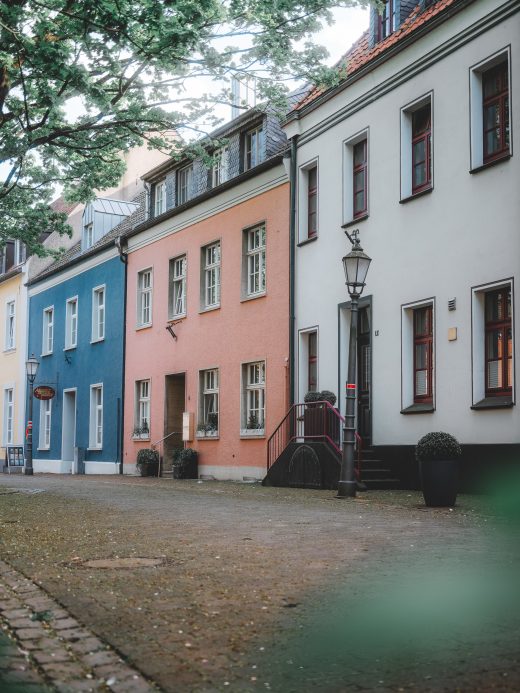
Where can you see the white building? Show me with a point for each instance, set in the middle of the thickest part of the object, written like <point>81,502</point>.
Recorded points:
<point>415,149</point>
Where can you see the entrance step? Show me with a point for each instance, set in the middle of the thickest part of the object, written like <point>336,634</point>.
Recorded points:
<point>375,473</point>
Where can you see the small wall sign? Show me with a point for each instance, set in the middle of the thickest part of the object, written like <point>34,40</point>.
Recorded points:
<point>44,392</point>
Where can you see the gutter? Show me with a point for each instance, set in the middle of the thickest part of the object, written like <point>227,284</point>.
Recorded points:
<point>292,254</point>
<point>123,256</point>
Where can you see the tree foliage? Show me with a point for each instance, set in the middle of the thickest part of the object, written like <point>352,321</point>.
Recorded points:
<point>83,80</point>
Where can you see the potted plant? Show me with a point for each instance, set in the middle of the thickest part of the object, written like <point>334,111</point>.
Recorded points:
<point>145,431</point>
<point>438,456</point>
<point>147,462</point>
<point>209,429</point>
<point>254,427</point>
<point>185,464</point>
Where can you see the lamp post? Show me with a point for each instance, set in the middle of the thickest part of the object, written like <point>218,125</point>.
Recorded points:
<point>31,366</point>
<point>356,265</point>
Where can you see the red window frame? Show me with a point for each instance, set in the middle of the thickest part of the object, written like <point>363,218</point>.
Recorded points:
<point>362,168</point>
<point>312,361</point>
<point>422,133</point>
<point>496,81</point>
<point>386,21</point>
<point>502,328</point>
<point>423,338</point>
<point>312,202</point>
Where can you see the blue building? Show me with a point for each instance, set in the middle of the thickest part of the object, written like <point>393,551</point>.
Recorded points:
<point>76,330</point>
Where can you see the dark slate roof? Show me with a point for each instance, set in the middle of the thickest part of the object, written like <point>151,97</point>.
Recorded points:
<point>74,255</point>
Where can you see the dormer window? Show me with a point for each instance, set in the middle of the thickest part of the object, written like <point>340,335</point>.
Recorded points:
<point>88,236</point>
<point>386,21</point>
<point>184,184</point>
<point>220,172</point>
<point>254,148</point>
<point>160,198</point>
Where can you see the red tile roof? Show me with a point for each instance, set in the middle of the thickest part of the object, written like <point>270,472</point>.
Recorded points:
<point>59,205</point>
<point>361,54</point>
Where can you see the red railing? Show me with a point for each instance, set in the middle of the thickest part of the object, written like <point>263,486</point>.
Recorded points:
<point>311,422</point>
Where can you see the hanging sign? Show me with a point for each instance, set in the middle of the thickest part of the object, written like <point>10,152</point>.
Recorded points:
<point>44,392</point>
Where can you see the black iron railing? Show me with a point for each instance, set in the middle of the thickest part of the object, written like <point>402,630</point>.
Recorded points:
<point>306,422</point>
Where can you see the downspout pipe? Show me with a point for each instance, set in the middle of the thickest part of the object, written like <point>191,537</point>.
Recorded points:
<point>292,258</point>
<point>123,256</point>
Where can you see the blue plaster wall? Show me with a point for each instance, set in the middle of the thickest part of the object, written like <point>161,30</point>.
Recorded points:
<point>84,365</point>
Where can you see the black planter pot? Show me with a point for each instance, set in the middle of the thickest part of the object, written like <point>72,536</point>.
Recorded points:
<point>439,482</point>
<point>149,469</point>
<point>187,470</point>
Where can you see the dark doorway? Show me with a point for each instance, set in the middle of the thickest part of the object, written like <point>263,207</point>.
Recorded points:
<point>364,360</point>
<point>175,404</point>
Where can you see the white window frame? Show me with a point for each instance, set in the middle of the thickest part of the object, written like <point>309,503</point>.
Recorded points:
<point>71,323</point>
<point>211,261</point>
<point>178,273</point>
<point>407,353</point>
<point>10,325</point>
<point>476,106</point>
<point>19,252</point>
<point>8,417</point>
<point>254,143</point>
<point>303,357</point>
<point>253,386</point>
<point>160,198</point>
<point>88,235</point>
<point>144,297</point>
<point>184,184</point>
<point>48,331</point>
<point>142,407</point>
<point>406,144</point>
<point>44,437</point>
<point>348,175</point>
<point>98,313</point>
<point>96,417</point>
<point>254,264</point>
<point>220,169</point>
<point>209,402</point>
<point>478,327</point>
<point>303,199</point>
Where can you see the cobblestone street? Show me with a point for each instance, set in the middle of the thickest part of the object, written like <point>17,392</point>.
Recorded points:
<point>251,588</point>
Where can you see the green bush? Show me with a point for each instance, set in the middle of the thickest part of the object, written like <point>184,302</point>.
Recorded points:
<point>437,446</point>
<point>328,396</point>
<point>147,459</point>
<point>312,396</point>
<point>184,456</point>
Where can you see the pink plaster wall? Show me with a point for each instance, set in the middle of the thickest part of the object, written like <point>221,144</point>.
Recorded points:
<point>236,333</point>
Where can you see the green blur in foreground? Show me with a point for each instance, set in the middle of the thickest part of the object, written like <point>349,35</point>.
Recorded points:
<point>421,618</point>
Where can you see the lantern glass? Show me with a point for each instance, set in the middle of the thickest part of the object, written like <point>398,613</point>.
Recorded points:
<point>31,367</point>
<point>355,265</point>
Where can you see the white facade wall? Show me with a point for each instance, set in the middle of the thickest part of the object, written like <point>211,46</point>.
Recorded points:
<point>463,234</point>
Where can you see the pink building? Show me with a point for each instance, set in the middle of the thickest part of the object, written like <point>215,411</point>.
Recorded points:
<point>207,320</point>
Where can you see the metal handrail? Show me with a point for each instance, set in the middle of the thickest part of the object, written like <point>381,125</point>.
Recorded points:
<point>158,442</point>
<point>324,424</point>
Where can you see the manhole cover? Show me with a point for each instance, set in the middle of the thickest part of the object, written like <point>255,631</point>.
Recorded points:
<point>123,562</point>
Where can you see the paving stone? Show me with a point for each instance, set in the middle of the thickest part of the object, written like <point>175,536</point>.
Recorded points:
<point>63,670</point>
<point>97,659</point>
<point>73,634</point>
<point>65,624</point>
<point>16,613</point>
<point>30,633</point>
<point>40,603</point>
<point>9,604</point>
<point>22,623</point>
<point>131,686</point>
<point>120,671</point>
<point>86,645</point>
<point>57,655</point>
<point>80,686</point>
<point>42,644</point>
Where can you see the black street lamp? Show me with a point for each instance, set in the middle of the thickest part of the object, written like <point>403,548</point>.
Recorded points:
<point>31,366</point>
<point>355,264</point>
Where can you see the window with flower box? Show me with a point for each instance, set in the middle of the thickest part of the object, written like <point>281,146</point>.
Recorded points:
<point>253,399</point>
<point>208,423</point>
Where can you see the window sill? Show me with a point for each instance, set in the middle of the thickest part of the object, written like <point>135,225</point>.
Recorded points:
<point>414,196</point>
<point>252,297</point>
<point>143,327</point>
<point>69,348</point>
<point>489,164</point>
<point>208,436</point>
<point>209,309</point>
<point>43,449</point>
<point>419,409</point>
<point>494,403</point>
<point>175,318</point>
<point>96,341</point>
<point>9,350</point>
<point>307,240</point>
<point>355,221</point>
<point>246,433</point>
<point>94,449</point>
<point>47,353</point>
<point>138,438</point>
